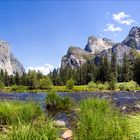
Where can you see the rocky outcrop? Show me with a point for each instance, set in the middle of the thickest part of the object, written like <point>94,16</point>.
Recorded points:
<point>7,60</point>
<point>118,49</point>
<point>97,45</point>
<point>133,38</point>
<point>75,57</point>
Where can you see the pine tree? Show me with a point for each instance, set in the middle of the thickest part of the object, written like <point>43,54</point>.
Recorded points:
<point>6,78</point>
<point>137,70</point>
<point>126,69</point>
<point>106,69</point>
<point>17,79</point>
<point>113,70</point>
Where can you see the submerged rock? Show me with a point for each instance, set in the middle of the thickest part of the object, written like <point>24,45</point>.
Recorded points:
<point>137,106</point>
<point>60,123</point>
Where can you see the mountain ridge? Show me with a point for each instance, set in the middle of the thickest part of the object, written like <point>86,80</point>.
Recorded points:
<point>97,47</point>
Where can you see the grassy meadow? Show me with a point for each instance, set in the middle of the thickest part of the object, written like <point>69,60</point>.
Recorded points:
<point>91,87</point>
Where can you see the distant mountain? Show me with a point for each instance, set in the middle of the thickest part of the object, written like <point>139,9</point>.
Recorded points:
<point>7,60</point>
<point>97,47</point>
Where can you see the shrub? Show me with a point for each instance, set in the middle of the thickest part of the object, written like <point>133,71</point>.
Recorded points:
<point>97,120</point>
<point>45,83</point>
<point>92,85</point>
<point>131,85</point>
<point>101,86</point>
<point>111,85</point>
<point>121,87</point>
<point>70,84</point>
<point>53,100</point>
<point>19,88</point>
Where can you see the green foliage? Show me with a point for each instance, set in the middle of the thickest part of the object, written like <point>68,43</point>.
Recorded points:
<point>134,120</point>
<point>121,87</point>
<point>97,120</point>
<point>112,83</point>
<point>53,100</point>
<point>114,67</point>
<point>11,112</point>
<point>70,84</point>
<point>128,86</point>
<point>45,83</point>
<point>137,70</point>
<point>32,80</point>
<point>27,122</point>
<point>92,85</point>
<point>19,88</point>
<point>41,131</point>
<point>1,84</point>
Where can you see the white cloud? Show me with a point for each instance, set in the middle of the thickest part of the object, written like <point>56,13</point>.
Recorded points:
<point>123,18</point>
<point>112,28</point>
<point>45,69</point>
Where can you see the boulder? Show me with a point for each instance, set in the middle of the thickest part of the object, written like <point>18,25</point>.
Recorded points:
<point>67,134</point>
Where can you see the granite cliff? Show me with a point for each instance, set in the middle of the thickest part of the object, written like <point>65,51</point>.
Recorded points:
<point>7,60</point>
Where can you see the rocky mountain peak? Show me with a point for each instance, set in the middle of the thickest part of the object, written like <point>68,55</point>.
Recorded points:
<point>75,57</point>
<point>133,38</point>
<point>7,60</point>
<point>97,45</point>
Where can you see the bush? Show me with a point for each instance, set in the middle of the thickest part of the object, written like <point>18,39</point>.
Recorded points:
<point>19,88</point>
<point>101,87</point>
<point>98,121</point>
<point>128,86</point>
<point>92,85</point>
<point>111,85</point>
<point>53,100</point>
<point>70,84</point>
<point>45,83</point>
<point>121,87</point>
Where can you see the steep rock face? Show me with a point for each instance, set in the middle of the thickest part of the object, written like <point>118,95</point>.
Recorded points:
<point>7,61</point>
<point>119,49</point>
<point>133,38</point>
<point>75,57</point>
<point>97,45</point>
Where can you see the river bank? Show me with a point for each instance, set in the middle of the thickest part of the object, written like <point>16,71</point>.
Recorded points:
<point>63,122</point>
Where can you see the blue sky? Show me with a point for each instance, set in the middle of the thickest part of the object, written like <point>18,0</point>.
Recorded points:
<point>40,32</point>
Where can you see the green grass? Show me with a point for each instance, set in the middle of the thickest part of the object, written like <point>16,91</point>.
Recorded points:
<point>53,100</point>
<point>41,131</point>
<point>27,122</point>
<point>12,112</point>
<point>134,122</point>
<point>98,121</point>
<point>91,87</point>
